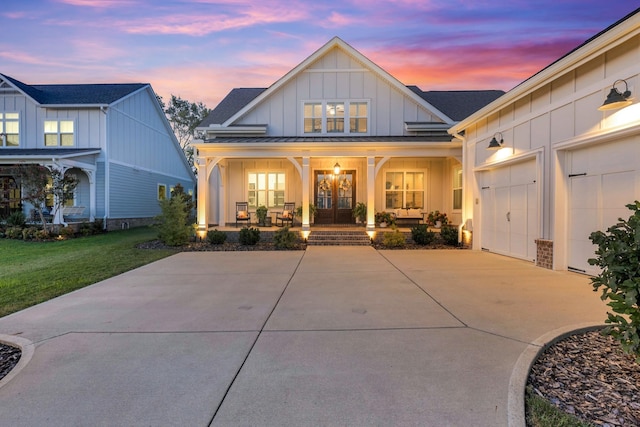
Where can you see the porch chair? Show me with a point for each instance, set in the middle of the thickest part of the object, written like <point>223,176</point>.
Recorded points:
<point>287,214</point>
<point>242,213</point>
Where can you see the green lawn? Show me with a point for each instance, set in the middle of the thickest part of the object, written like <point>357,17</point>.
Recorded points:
<point>33,272</point>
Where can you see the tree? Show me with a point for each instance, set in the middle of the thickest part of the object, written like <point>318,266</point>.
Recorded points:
<point>174,224</point>
<point>40,183</point>
<point>184,117</point>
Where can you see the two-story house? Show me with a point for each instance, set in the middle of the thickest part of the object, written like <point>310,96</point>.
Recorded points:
<point>334,131</point>
<point>114,137</point>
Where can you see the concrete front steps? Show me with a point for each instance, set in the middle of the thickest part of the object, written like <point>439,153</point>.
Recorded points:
<point>338,238</point>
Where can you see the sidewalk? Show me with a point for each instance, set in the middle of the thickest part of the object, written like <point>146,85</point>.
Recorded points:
<point>329,336</point>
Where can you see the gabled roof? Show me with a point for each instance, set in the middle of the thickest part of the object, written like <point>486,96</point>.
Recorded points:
<point>75,94</point>
<point>335,42</point>
<point>605,40</point>
<point>458,104</point>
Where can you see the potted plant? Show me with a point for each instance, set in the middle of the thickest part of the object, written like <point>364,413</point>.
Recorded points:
<point>313,210</point>
<point>437,219</point>
<point>383,219</point>
<point>261,213</point>
<point>360,212</point>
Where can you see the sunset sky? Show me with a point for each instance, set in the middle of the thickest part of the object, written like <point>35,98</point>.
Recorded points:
<point>201,49</point>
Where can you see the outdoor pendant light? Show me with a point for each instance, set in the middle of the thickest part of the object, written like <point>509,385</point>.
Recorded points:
<point>615,99</point>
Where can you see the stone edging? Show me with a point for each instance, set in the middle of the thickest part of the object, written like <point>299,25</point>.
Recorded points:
<point>27,349</point>
<point>520,373</point>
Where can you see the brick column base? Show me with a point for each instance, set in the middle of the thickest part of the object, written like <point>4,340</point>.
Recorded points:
<point>544,256</point>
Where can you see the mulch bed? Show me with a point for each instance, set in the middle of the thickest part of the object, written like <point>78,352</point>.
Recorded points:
<point>9,357</point>
<point>589,376</point>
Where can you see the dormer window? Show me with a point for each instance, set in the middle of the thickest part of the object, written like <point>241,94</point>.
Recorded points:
<point>330,117</point>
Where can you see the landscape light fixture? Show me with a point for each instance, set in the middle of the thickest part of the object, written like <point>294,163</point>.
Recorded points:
<point>494,144</point>
<point>615,99</point>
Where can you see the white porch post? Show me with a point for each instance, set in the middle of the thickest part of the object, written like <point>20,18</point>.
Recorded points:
<point>305,194</point>
<point>371,193</point>
<point>203,192</point>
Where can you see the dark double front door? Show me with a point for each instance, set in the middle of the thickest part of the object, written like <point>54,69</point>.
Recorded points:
<point>334,197</point>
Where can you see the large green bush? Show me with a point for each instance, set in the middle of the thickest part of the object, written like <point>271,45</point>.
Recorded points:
<point>394,239</point>
<point>421,234</point>
<point>216,237</point>
<point>285,239</point>
<point>173,224</point>
<point>249,236</point>
<point>449,235</point>
<point>618,255</point>
<point>16,219</point>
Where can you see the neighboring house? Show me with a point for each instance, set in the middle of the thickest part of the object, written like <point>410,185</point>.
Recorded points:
<point>565,168</point>
<point>114,137</point>
<point>335,109</point>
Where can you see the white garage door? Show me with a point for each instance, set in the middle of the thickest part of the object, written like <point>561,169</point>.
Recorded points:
<point>602,180</point>
<point>510,210</point>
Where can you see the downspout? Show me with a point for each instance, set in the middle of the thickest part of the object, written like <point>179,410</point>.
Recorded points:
<point>106,168</point>
<point>464,187</point>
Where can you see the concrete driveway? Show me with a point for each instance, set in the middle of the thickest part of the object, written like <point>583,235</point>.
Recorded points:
<point>332,336</point>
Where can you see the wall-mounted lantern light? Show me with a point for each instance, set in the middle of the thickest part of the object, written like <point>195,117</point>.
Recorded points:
<point>615,99</point>
<point>496,144</point>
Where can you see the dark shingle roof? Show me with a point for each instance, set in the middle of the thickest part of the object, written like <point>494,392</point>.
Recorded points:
<point>73,94</point>
<point>231,104</point>
<point>458,104</point>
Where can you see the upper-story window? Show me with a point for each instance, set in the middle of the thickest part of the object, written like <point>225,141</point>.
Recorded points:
<point>345,117</point>
<point>9,129</point>
<point>58,133</point>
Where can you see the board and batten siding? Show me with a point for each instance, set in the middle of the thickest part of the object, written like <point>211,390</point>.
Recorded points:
<point>337,76</point>
<point>139,136</point>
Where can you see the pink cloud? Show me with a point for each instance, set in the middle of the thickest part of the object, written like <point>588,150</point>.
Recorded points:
<point>100,4</point>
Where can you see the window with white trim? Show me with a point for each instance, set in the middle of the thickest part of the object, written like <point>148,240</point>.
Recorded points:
<point>9,129</point>
<point>341,117</point>
<point>404,190</point>
<point>58,133</point>
<point>266,189</point>
<point>162,192</point>
<point>457,188</point>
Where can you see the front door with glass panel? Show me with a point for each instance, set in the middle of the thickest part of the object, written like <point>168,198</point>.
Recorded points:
<point>334,197</point>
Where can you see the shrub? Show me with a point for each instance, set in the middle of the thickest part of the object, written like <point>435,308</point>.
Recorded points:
<point>285,239</point>
<point>42,235</point>
<point>216,237</point>
<point>249,236</point>
<point>17,219</point>
<point>14,233</point>
<point>421,234</point>
<point>394,239</point>
<point>97,226</point>
<point>29,233</point>
<point>618,255</point>
<point>66,232</point>
<point>85,229</point>
<point>449,235</point>
<point>173,223</point>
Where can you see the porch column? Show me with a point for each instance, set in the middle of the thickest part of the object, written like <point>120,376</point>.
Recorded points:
<point>371,193</point>
<point>203,191</point>
<point>305,194</point>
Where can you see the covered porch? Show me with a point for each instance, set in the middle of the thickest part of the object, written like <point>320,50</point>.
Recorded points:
<point>333,174</point>
<point>81,162</point>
